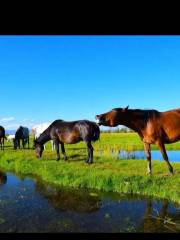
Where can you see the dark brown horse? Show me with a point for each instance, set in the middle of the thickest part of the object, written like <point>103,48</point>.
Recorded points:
<point>152,126</point>
<point>22,133</point>
<point>2,137</point>
<point>68,132</point>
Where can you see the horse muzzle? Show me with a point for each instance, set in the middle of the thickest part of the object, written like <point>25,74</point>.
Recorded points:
<point>38,155</point>
<point>98,122</point>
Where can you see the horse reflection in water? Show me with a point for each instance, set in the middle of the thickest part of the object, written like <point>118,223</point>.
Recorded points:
<point>3,178</point>
<point>158,221</point>
<point>69,200</point>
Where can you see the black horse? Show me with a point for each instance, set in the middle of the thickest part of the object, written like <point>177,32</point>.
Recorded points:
<point>22,133</point>
<point>2,137</point>
<point>68,132</point>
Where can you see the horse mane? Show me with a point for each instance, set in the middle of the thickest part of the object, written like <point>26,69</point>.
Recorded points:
<point>47,130</point>
<point>143,114</point>
<point>56,121</point>
<point>146,114</point>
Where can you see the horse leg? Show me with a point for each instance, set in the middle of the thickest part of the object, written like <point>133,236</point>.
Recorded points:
<point>63,151</point>
<point>33,146</point>
<point>56,142</point>
<point>165,156</point>
<point>3,143</point>
<point>90,153</point>
<point>147,150</point>
<point>28,142</point>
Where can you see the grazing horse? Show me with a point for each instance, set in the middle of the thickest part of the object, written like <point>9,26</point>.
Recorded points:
<point>22,133</point>
<point>152,126</point>
<point>38,129</point>
<point>2,137</point>
<point>69,132</point>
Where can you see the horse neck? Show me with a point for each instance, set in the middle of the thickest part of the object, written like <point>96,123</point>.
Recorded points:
<point>134,121</point>
<point>44,137</point>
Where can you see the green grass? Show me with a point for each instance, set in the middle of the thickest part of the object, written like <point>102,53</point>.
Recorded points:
<point>128,141</point>
<point>107,173</point>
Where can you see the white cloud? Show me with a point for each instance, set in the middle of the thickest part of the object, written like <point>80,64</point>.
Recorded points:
<point>10,123</point>
<point>7,119</point>
<point>25,120</point>
<point>11,126</point>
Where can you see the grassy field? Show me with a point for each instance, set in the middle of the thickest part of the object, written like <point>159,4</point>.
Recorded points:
<point>107,173</point>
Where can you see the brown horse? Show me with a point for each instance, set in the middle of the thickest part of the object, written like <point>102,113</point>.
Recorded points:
<point>152,126</point>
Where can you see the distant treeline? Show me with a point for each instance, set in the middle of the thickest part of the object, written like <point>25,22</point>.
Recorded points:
<point>117,130</point>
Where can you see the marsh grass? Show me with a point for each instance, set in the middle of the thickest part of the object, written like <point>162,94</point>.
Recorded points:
<point>107,173</point>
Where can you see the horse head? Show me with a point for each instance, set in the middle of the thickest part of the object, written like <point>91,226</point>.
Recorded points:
<point>111,118</point>
<point>38,148</point>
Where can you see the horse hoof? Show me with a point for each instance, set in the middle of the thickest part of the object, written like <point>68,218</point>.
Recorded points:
<point>57,159</point>
<point>90,162</point>
<point>168,174</point>
<point>149,173</point>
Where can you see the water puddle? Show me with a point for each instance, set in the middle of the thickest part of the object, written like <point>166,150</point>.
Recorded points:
<point>174,156</point>
<point>29,205</point>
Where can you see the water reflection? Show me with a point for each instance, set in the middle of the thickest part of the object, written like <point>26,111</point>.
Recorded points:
<point>3,178</point>
<point>158,220</point>
<point>155,216</point>
<point>55,209</point>
<point>69,199</point>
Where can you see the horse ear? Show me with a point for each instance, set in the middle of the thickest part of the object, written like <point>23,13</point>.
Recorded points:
<point>126,108</point>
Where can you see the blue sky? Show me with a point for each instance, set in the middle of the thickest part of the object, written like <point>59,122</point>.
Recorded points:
<point>44,78</point>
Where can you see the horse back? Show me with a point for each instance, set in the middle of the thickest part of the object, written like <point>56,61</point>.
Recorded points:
<point>170,121</point>
<point>164,127</point>
<point>75,131</point>
<point>22,133</point>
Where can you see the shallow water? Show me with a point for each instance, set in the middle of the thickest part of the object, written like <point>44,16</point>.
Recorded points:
<point>174,156</point>
<point>28,205</point>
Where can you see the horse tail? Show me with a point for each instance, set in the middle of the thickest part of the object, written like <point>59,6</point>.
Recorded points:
<point>96,133</point>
